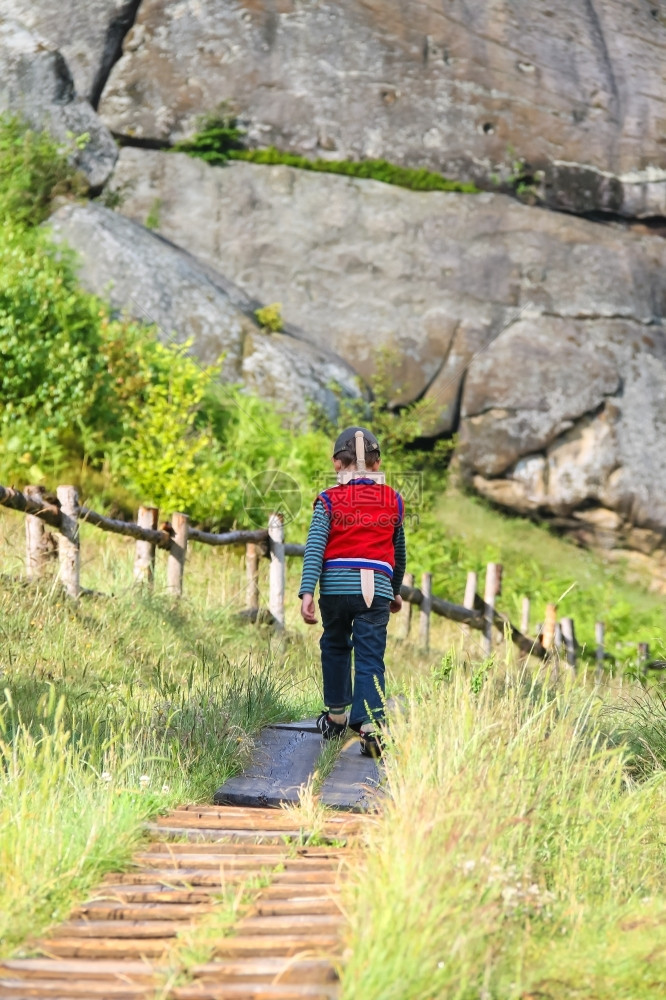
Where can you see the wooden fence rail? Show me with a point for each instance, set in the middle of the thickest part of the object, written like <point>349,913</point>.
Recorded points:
<point>175,535</point>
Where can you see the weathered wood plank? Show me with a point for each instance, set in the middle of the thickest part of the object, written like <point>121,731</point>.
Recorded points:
<point>290,907</point>
<point>282,763</point>
<point>255,991</point>
<point>271,814</point>
<point>297,890</point>
<point>287,970</point>
<point>153,893</point>
<point>234,861</point>
<point>319,922</point>
<point>320,878</point>
<point>185,876</point>
<point>214,821</point>
<point>111,970</point>
<point>118,928</point>
<point>229,861</point>
<point>197,835</point>
<point>165,847</point>
<point>127,948</point>
<point>353,782</point>
<point>64,989</point>
<point>198,876</point>
<point>277,946</point>
<point>117,911</point>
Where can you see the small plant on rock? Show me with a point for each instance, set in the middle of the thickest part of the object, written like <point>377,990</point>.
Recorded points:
<point>270,317</point>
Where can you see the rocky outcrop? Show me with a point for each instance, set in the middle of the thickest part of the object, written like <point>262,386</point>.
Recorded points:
<point>537,336</point>
<point>568,420</point>
<point>89,35</point>
<point>484,91</point>
<point>148,279</point>
<point>36,84</point>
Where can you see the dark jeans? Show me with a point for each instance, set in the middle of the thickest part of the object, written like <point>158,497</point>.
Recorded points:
<point>350,624</point>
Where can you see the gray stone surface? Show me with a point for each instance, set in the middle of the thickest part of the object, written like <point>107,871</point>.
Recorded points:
<point>539,336</point>
<point>572,419</point>
<point>153,281</point>
<point>89,34</point>
<point>472,90</point>
<point>36,84</point>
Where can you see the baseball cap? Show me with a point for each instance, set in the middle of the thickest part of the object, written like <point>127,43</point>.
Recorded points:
<point>347,441</point>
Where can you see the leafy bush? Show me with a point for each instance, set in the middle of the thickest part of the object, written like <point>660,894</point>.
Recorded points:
<point>33,171</point>
<point>53,381</point>
<point>217,137</point>
<point>270,317</point>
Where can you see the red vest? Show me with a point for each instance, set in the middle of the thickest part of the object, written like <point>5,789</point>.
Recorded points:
<point>363,515</point>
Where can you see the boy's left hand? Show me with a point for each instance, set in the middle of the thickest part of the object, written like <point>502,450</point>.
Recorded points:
<point>395,604</point>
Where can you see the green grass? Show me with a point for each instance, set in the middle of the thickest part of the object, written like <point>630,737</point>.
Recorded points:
<point>116,708</point>
<point>464,533</point>
<point>120,706</point>
<point>377,170</point>
<point>515,857</point>
<point>219,141</point>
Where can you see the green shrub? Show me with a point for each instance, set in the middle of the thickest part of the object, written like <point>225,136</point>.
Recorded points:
<point>217,137</point>
<point>53,380</point>
<point>33,171</point>
<point>270,317</point>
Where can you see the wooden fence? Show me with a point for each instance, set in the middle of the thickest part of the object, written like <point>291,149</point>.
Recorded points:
<point>553,637</point>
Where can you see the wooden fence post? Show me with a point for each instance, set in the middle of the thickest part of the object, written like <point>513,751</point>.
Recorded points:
<point>468,599</point>
<point>36,546</point>
<point>405,616</point>
<point>144,553</point>
<point>68,540</point>
<point>525,616</point>
<point>177,554</point>
<point>600,652</point>
<point>426,606</point>
<point>643,655</point>
<point>569,637</point>
<point>549,624</point>
<point>276,576</point>
<point>493,588</point>
<point>252,576</point>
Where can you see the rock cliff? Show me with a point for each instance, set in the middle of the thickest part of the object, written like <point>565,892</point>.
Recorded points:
<point>482,91</point>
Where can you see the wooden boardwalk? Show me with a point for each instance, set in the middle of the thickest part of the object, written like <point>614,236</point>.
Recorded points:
<point>135,937</point>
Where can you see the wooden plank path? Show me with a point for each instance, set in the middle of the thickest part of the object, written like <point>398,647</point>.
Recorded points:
<point>126,942</point>
<point>123,941</point>
<point>285,757</point>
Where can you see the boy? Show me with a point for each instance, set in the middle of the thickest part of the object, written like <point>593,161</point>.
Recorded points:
<point>356,550</point>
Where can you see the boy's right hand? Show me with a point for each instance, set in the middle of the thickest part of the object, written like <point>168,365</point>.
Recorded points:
<point>308,612</point>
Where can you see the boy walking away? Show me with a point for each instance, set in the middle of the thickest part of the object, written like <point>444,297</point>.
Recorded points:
<point>356,552</point>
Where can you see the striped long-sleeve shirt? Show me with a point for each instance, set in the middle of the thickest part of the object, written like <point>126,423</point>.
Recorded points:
<point>345,581</point>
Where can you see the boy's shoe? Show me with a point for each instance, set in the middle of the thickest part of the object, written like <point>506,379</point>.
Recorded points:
<point>372,744</point>
<point>330,730</point>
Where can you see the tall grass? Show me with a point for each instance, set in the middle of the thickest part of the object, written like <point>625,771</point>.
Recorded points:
<point>115,708</point>
<point>514,858</point>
